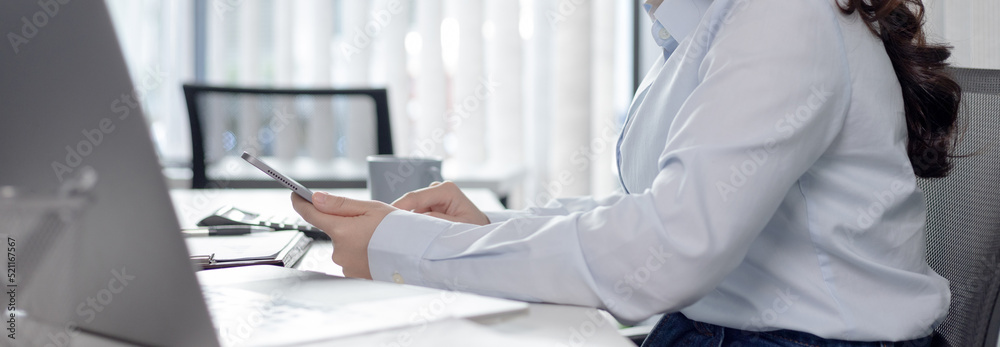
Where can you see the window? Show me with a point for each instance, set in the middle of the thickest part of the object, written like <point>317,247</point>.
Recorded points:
<point>493,76</point>
<point>520,88</point>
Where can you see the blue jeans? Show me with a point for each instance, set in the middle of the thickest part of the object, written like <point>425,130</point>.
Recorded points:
<point>677,330</point>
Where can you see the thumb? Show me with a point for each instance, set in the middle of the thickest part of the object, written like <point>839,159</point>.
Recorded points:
<point>419,200</point>
<point>339,205</point>
<point>407,202</point>
<point>423,200</point>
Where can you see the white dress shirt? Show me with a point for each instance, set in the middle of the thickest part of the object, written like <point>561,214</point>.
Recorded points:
<point>769,188</point>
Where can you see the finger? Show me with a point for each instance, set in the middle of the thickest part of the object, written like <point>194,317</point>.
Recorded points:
<point>337,258</point>
<point>341,206</point>
<point>315,217</point>
<point>420,200</point>
<point>435,183</point>
<point>353,274</point>
<point>303,207</point>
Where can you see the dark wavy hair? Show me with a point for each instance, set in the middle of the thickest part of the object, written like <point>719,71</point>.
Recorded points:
<point>931,97</point>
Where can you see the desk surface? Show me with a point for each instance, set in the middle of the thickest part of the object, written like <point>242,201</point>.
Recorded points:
<point>551,325</point>
<point>192,205</point>
<point>500,179</point>
<point>544,325</point>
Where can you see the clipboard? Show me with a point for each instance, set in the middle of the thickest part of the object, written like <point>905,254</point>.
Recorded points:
<point>278,248</point>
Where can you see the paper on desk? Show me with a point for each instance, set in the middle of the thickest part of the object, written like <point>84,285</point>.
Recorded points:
<point>252,246</point>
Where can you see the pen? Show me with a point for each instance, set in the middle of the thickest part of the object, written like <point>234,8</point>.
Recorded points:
<point>203,260</point>
<point>226,230</point>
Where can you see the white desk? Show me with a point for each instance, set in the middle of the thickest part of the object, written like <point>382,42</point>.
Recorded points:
<point>552,325</point>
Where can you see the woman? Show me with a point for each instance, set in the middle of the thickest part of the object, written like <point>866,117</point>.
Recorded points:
<point>770,161</point>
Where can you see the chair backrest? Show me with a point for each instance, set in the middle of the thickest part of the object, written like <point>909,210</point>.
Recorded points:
<point>318,136</point>
<point>963,217</point>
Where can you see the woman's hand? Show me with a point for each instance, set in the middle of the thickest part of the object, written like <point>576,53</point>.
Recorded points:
<point>442,200</point>
<point>349,223</point>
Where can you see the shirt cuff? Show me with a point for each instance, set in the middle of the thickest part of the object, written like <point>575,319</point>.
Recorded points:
<point>396,249</point>
<point>502,216</point>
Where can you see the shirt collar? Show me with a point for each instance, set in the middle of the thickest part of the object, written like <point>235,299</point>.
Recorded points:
<point>680,17</point>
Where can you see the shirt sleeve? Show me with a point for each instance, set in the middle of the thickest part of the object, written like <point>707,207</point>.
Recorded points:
<point>772,94</point>
<point>556,207</point>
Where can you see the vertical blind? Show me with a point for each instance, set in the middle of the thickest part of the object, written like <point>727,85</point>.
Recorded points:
<point>541,85</point>
<point>970,26</point>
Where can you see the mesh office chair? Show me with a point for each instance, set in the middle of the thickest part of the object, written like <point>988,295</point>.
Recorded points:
<point>318,136</point>
<point>963,217</point>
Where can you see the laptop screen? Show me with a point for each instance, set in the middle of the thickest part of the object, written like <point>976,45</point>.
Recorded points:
<point>67,103</point>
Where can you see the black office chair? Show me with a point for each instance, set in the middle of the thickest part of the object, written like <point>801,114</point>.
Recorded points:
<point>214,111</point>
<point>963,217</point>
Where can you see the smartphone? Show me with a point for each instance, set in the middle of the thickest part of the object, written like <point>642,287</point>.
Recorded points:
<point>296,187</point>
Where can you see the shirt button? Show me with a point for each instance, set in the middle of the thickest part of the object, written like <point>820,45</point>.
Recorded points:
<point>664,34</point>
<point>396,277</point>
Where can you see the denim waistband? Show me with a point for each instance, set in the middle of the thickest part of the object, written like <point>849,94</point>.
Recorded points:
<point>675,329</point>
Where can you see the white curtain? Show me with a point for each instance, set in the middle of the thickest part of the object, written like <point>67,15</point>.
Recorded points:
<point>530,89</point>
<point>155,39</point>
<point>970,26</point>
<point>535,89</point>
